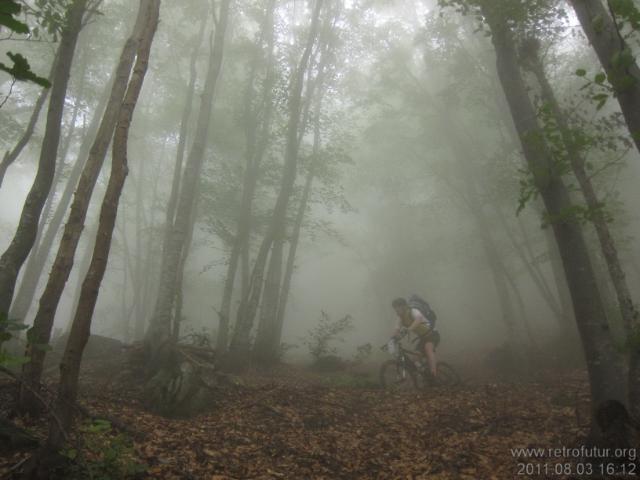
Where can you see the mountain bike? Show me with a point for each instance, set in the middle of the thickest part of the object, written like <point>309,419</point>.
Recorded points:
<point>409,370</point>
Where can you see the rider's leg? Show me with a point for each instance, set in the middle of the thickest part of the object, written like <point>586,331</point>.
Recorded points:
<point>430,353</point>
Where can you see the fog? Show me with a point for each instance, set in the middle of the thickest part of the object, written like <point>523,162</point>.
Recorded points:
<point>378,147</point>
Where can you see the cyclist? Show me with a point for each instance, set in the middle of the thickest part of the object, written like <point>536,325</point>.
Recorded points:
<point>413,320</point>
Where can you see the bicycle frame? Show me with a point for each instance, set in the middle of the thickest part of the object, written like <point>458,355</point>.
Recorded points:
<point>404,356</point>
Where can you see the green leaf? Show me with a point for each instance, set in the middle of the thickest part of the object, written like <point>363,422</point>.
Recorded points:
<point>581,72</point>
<point>13,24</point>
<point>601,98</point>
<point>600,78</point>
<point>21,70</point>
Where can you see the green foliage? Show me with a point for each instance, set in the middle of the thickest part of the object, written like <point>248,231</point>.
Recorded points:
<point>102,454</point>
<point>8,328</point>
<point>50,16</point>
<point>319,338</point>
<point>19,68</point>
<point>8,10</point>
<point>626,11</point>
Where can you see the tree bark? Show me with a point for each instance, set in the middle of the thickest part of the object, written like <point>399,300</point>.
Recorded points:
<point>266,344</point>
<point>13,154</point>
<point>274,337</point>
<point>159,332</point>
<point>15,255</point>
<point>276,231</point>
<point>603,364</point>
<point>564,295</point>
<point>257,143</point>
<point>186,248</point>
<point>43,321</point>
<point>534,273</point>
<point>70,365</point>
<point>40,252</point>
<point>616,59</point>
<point>462,151</point>
<point>597,217</point>
<point>170,215</point>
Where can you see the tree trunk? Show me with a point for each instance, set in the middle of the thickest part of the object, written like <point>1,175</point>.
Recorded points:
<point>13,154</point>
<point>43,321</point>
<point>269,337</point>
<point>602,361</point>
<point>170,214</point>
<point>14,256</point>
<point>462,151</point>
<point>607,244</point>
<point>42,245</point>
<point>159,332</point>
<point>186,248</point>
<point>33,270</point>
<point>70,365</point>
<point>254,154</point>
<point>274,337</point>
<point>568,318</point>
<point>276,231</point>
<point>527,261</point>
<point>616,59</point>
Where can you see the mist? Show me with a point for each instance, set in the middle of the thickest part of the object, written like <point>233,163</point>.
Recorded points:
<point>411,206</point>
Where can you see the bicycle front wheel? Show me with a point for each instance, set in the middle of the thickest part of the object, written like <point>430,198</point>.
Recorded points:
<point>395,376</point>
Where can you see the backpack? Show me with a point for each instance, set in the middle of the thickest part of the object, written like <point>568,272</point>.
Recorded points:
<point>416,301</point>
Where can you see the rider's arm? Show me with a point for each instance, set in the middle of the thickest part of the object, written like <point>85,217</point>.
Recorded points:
<point>398,329</point>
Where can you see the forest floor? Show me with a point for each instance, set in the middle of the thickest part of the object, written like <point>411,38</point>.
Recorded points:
<point>294,424</point>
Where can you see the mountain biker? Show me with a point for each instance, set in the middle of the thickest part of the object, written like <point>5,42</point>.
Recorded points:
<point>413,320</point>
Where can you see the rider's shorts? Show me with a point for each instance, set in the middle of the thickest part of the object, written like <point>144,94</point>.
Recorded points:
<point>431,337</point>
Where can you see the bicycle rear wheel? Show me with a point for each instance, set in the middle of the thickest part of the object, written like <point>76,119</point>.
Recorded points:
<point>395,376</point>
<point>447,376</point>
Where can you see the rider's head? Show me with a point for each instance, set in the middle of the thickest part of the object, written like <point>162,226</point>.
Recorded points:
<point>400,305</point>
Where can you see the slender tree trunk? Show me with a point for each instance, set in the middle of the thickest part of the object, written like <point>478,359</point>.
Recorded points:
<point>43,321</point>
<point>522,308</point>
<point>534,273</point>
<point>70,366</point>
<point>603,364</point>
<point>568,319</point>
<point>255,150</point>
<point>607,244</point>
<point>170,213</point>
<point>616,58</point>
<point>274,338</point>
<point>83,266</point>
<point>15,255</point>
<point>159,332</point>
<point>186,248</point>
<point>276,231</point>
<point>266,344</point>
<point>40,251</point>
<point>463,151</point>
<point>12,155</point>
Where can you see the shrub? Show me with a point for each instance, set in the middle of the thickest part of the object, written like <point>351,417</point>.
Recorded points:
<point>102,455</point>
<point>327,330</point>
